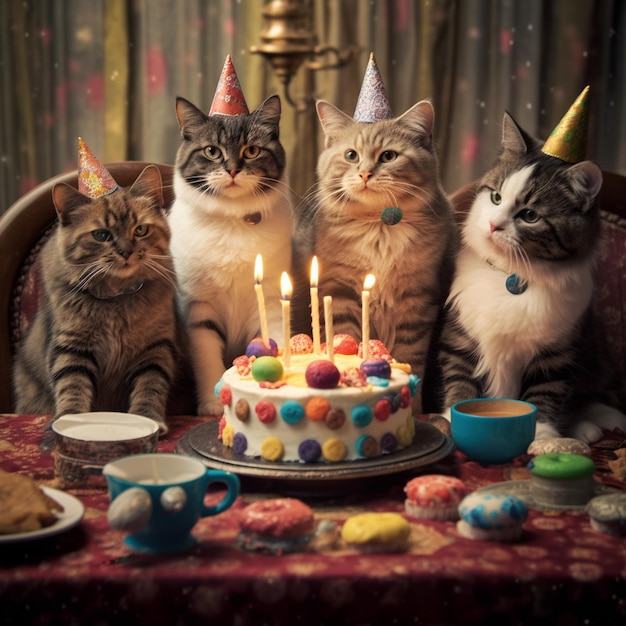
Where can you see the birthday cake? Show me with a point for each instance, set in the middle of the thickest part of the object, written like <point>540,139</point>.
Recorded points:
<point>315,407</point>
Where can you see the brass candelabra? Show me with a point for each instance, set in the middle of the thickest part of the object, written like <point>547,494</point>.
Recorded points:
<point>288,42</point>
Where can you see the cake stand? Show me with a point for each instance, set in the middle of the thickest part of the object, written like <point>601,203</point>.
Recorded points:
<point>316,479</point>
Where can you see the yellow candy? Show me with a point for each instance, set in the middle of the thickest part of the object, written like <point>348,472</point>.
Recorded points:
<point>334,450</point>
<point>375,527</point>
<point>272,449</point>
<point>405,436</point>
<point>228,434</point>
<point>410,423</point>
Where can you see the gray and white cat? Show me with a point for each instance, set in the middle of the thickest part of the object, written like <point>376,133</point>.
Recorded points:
<point>534,225</point>
<point>365,168</point>
<point>105,335</point>
<point>232,203</point>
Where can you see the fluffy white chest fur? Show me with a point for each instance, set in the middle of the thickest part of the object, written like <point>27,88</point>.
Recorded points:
<point>511,329</point>
<point>214,250</point>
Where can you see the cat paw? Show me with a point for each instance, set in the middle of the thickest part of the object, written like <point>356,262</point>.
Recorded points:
<point>48,439</point>
<point>163,428</point>
<point>545,431</point>
<point>447,413</point>
<point>213,408</point>
<point>587,432</point>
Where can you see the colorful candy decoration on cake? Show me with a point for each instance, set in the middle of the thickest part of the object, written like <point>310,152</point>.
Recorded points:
<point>317,409</point>
<point>228,98</point>
<point>94,179</point>
<point>568,140</point>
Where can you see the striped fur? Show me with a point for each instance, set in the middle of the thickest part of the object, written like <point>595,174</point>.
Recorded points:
<point>98,341</point>
<point>364,169</point>
<point>230,171</point>
<point>535,216</point>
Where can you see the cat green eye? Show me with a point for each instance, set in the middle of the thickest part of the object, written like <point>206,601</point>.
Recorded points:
<point>251,152</point>
<point>102,235</point>
<point>496,198</point>
<point>529,216</point>
<point>352,156</point>
<point>213,153</point>
<point>141,230</point>
<point>388,156</point>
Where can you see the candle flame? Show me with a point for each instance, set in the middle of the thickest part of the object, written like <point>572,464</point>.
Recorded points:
<point>285,286</point>
<point>258,269</point>
<point>369,281</point>
<point>314,272</point>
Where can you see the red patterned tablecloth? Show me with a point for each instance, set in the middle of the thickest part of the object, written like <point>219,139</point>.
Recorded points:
<point>561,573</point>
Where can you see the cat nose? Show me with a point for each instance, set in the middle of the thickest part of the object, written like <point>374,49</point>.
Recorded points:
<point>234,173</point>
<point>366,176</point>
<point>493,227</point>
<point>124,252</point>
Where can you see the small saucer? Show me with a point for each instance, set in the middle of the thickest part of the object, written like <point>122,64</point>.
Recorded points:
<point>521,489</point>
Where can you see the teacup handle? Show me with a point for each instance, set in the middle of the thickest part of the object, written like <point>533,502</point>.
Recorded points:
<point>233,486</point>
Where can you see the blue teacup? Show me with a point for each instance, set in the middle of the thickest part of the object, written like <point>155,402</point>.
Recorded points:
<point>493,430</point>
<point>158,498</point>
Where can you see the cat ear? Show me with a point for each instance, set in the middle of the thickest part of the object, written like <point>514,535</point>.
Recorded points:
<point>514,138</point>
<point>268,112</point>
<point>66,198</point>
<point>421,118</point>
<point>333,121</point>
<point>586,180</point>
<point>189,117</point>
<point>149,184</point>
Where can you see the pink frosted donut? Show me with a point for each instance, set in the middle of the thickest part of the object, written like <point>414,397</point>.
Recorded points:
<point>277,525</point>
<point>278,518</point>
<point>434,496</point>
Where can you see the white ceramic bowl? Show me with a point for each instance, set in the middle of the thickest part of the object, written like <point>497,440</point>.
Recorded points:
<point>86,442</point>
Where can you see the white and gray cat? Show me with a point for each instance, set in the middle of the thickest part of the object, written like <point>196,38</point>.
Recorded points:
<point>364,169</point>
<point>232,203</point>
<point>518,322</point>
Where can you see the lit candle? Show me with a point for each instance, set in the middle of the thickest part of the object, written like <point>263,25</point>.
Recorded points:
<point>368,283</point>
<point>315,307</point>
<point>286,290</point>
<point>258,277</point>
<point>328,323</point>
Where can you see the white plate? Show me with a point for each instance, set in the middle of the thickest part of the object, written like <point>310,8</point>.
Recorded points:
<point>73,511</point>
<point>104,426</point>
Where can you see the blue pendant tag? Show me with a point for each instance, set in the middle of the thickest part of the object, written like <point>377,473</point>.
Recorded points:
<point>391,215</point>
<point>515,286</point>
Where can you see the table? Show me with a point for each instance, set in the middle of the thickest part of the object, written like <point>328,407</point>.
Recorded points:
<point>561,573</point>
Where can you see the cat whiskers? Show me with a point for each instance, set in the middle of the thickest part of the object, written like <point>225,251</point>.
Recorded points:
<point>517,257</point>
<point>153,262</point>
<point>92,271</point>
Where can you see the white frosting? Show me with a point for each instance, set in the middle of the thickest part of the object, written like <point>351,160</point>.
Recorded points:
<point>341,398</point>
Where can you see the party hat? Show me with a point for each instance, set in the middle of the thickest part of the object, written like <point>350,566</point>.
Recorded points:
<point>228,98</point>
<point>568,141</point>
<point>373,103</point>
<point>94,180</point>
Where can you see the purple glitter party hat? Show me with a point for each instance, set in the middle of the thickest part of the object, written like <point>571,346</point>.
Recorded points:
<point>373,103</point>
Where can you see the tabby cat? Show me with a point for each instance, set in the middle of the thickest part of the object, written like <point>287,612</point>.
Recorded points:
<point>534,226</point>
<point>104,336</point>
<point>365,168</point>
<point>232,203</point>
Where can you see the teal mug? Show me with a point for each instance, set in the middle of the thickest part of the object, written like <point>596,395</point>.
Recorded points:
<point>493,430</point>
<point>158,498</point>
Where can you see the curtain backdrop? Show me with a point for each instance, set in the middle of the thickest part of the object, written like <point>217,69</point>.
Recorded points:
<point>110,70</point>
